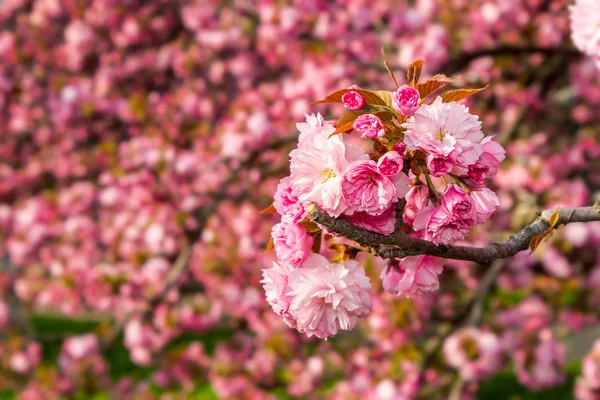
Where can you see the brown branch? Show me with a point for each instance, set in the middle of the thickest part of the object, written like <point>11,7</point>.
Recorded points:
<point>405,245</point>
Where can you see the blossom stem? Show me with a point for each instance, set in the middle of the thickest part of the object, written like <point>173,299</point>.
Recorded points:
<point>431,187</point>
<point>461,183</point>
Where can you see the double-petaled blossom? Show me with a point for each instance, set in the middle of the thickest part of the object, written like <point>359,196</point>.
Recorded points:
<point>275,284</point>
<point>286,202</point>
<point>318,164</point>
<point>485,203</point>
<point>352,100</point>
<point>390,163</point>
<point>585,27</point>
<point>383,223</point>
<point>416,199</point>
<point>369,125</point>
<point>475,353</point>
<point>445,130</point>
<point>405,100</point>
<point>412,275</point>
<point>366,189</point>
<point>450,220</point>
<point>438,165</point>
<point>292,242</point>
<point>328,297</point>
<point>487,164</point>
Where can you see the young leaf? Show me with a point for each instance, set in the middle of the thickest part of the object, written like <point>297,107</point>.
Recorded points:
<point>553,220</point>
<point>270,245</point>
<point>459,94</point>
<point>370,97</point>
<point>385,96</point>
<point>414,72</point>
<point>269,210</point>
<point>387,67</point>
<point>536,240</point>
<point>436,82</point>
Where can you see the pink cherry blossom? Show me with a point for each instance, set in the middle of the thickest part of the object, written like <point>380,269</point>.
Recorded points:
<point>438,166</point>
<point>457,202</point>
<point>292,242</point>
<point>328,297</point>
<point>475,353</point>
<point>369,125</point>
<point>366,189</point>
<point>383,223</point>
<point>405,100</point>
<point>416,199</point>
<point>590,367</point>
<point>584,25</point>
<point>286,202</point>
<point>487,164</point>
<point>412,275</point>
<point>353,101</point>
<point>445,130</point>
<point>390,163</point>
<point>275,284</point>
<point>400,148</point>
<point>485,202</point>
<point>440,226</point>
<point>317,167</point>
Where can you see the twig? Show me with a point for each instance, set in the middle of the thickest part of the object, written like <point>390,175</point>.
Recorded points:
<point>405,245</point>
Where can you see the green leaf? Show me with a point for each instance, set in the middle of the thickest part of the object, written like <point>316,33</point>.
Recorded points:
<point>386,96</point>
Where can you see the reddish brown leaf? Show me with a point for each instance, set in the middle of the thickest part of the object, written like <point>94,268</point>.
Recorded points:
<point>269,210</point>
<point>436,82</point>
<point>459,94</point>
<point>414,72</point>
<point>535,241</point>
<point>370,97</point>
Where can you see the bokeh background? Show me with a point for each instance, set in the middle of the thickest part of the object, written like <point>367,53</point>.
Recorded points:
<point>140,139</point>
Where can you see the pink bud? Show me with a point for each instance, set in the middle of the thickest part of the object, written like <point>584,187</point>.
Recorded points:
<point>406,100</point>
<point>390,163</point>
<point>400,148</point>
<point>353,101</point>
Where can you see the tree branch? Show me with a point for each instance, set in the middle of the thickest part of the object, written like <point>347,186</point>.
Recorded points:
<point>405,245</point>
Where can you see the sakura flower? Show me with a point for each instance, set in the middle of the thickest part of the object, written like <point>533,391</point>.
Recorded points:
<point>352,100</point>
<point>445,130</point>
<point>457,202</point>
<point>286,202</point>
<point>476,354</point>
<point>400,148</point>
<point>328,297</point>
<point>405,100</point>
<point>292,242</point>
<point>447,222</point>
<point>318,164</point>
<point>585,23</point>
<point>275,284</point>
<point>438,166</point>
<point>412,276</point>
<point>486,204</point>
<point>369,125</point>
<point>383,223</point>
<point>366,189</point>
<point>487,164</point>
<point>390,163</point>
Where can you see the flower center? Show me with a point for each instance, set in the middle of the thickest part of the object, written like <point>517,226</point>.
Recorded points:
<point>441,135</point>
<point>328,174</point>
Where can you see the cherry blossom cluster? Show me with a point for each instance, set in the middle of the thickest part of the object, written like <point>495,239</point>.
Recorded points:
<point>422,150</point>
